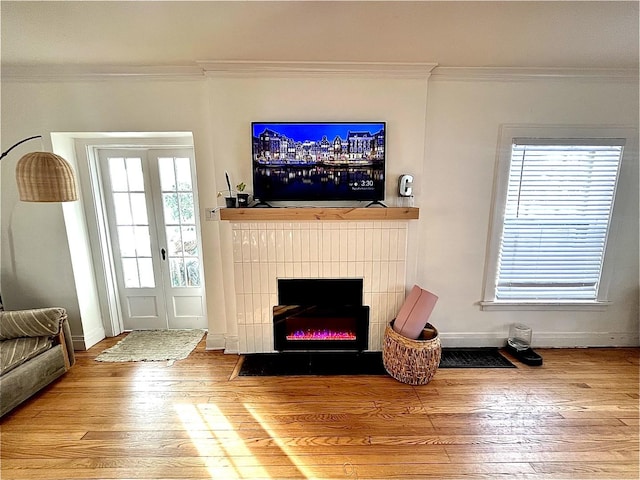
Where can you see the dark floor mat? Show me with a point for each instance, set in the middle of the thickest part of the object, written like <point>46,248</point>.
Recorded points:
<point>366,363</point>
<point>473,358</point>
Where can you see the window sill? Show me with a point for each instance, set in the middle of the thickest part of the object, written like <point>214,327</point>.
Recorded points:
<point>540,306</point>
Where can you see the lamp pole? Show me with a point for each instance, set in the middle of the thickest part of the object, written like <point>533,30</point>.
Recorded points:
<point>19,143</point>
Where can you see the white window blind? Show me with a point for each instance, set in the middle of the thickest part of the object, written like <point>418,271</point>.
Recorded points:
<point>557,214</point>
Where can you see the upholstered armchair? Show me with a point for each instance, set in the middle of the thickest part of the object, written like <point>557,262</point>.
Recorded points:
<point>35,349</point>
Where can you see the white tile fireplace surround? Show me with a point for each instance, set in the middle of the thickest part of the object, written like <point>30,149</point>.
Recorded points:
<point>264,252</point>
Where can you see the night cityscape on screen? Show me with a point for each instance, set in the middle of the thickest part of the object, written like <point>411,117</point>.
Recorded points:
<point>318,161</point>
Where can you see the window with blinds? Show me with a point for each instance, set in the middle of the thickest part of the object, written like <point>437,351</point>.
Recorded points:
<point>557,213</point>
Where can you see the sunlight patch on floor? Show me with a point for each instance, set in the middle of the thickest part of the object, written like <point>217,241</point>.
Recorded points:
<point>217,443</point>
<point>300,465</point>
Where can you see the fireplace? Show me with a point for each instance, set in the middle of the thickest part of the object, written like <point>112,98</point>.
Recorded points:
<point>264,252</point>
<point>320,315</point>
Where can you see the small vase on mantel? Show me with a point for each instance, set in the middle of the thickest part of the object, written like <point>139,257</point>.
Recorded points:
<point>243,200</point>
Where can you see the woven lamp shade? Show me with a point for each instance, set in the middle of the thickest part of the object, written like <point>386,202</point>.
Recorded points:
<point>45,177</point>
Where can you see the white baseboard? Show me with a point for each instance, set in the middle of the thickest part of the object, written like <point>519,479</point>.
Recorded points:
<point>215,341</point>
<point>544,339</point>
<point>78,342</point>
<point>221,341</point>
<point>471,340</point>
<point>585,339</point>
<point>88,340</point>
<point>232,344</point>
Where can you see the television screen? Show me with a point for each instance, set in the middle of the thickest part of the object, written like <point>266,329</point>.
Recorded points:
<point>318,161</point>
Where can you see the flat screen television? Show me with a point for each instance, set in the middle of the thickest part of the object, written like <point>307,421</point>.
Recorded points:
<point>314,161</point>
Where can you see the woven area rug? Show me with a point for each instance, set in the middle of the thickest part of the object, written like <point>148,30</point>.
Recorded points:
<point>153,346</point>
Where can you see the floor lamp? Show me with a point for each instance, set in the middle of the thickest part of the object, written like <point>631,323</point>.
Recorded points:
<point>44,176</point>
<point>41,177</point>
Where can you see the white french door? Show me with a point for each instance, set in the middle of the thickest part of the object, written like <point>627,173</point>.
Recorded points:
<point>152,216</point>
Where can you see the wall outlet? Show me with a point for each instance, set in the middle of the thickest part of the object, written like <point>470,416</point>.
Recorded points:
<point>212,213</point>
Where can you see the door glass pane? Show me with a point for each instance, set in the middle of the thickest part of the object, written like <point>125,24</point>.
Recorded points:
<point>145,266</point>
<point>123,208</point>
<point>186,207</point>
<point>179,216</point>
<point>171,208</point>
<point>192,265</point>
<point>189,240</point>
<point>134,174</point>
<point>118,174</point>
<point>167,174</point>
<point>132,220</point>
<point>142,241</point>
<point>130,273</point>
<point>183,174</point>
<point>176,267</point>
<point>127,241</point>
<point>139,209</point>
<point>174,241</point>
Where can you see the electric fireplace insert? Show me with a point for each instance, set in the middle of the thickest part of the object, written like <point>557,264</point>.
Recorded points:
<point>320,314</point>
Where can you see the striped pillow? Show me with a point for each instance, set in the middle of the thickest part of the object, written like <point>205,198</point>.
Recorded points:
<point>17,351</point>
<point>30,323</point>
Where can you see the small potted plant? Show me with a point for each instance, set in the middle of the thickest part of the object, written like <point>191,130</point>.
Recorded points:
<point>243,198</point>
<point>230,200</point>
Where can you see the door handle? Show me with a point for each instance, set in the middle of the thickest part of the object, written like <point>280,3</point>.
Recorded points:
<point>164,254</point>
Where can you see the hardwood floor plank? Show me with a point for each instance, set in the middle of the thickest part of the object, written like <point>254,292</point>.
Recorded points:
<point>218,469</point>
<point>519,455</point>
<point>578,469</point>
<point>574,417</point>
<point>631,421</point>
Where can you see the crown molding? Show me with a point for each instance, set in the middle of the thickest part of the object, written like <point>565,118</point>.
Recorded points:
<point>363,69</point>
<point>475,74</point>
<point>50,73</point>
<point>202,69</point>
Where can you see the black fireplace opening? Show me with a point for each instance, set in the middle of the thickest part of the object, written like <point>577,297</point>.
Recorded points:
<point>320,315</point>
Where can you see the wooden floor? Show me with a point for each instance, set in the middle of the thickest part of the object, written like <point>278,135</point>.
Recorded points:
<point>574,417</point>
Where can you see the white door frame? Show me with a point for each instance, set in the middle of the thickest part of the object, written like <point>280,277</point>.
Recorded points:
<point>92,196</point>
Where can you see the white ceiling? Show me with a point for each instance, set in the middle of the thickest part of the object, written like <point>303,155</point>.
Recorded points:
<point>554,34</point>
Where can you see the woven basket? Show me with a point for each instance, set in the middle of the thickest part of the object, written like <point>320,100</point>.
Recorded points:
<point>411,361</point>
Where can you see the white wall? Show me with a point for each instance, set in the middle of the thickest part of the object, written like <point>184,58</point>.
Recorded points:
<point>36,265</point>
<point>453,163</point>
<point>238,100</point>
<point>463,122</point>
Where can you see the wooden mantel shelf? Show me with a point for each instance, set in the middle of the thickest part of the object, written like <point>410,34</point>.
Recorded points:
<point>318,213</point>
